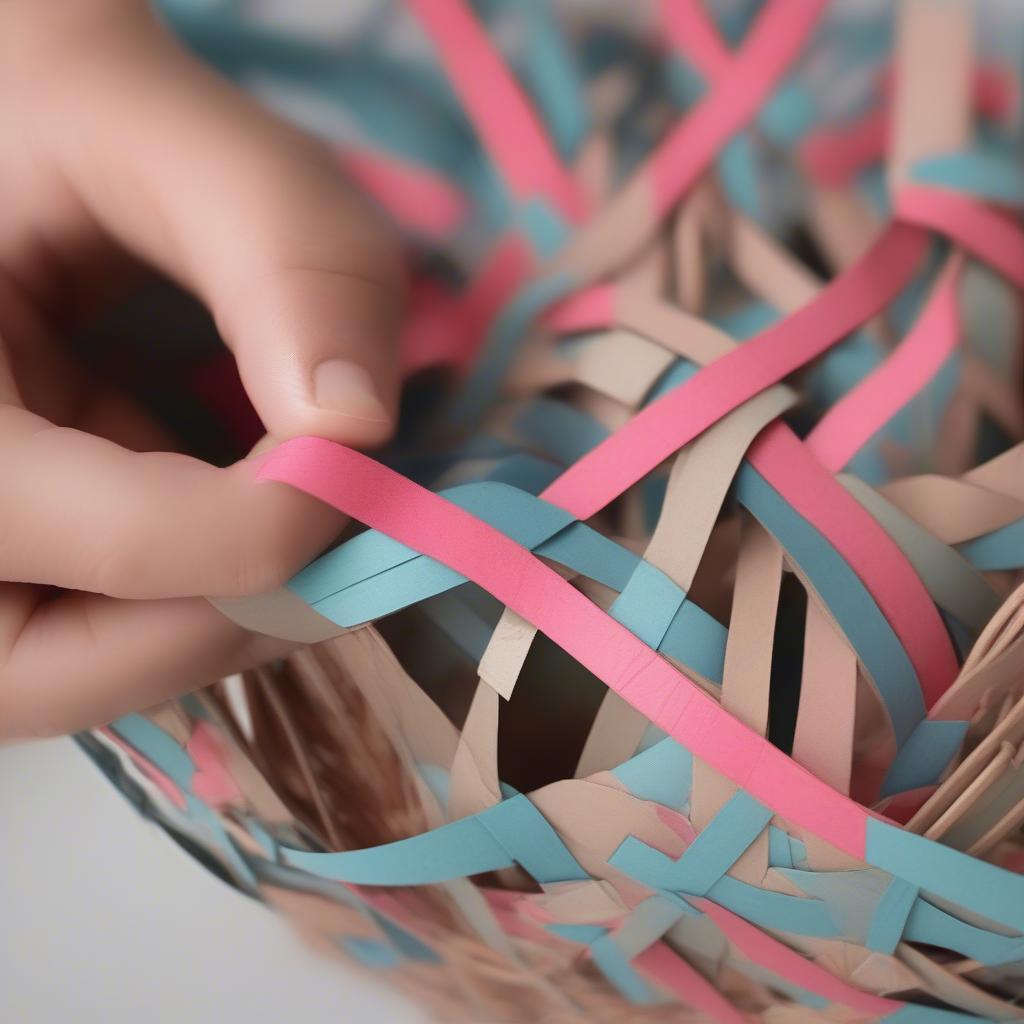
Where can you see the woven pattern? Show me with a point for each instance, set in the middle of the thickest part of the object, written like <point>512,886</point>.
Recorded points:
<point>678,672</point>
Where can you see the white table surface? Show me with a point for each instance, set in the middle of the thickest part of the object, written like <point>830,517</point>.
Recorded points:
<point>104,919</point>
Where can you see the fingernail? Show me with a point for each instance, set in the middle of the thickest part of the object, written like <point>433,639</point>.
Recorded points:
<point>348,388</point>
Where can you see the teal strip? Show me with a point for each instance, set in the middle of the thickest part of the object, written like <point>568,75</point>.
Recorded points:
<point>927,923</point>
<point>776,910</point>
<point>1000,549</point>
<point>954,876</point>
<point>987,175</point>
<point>891,915</point>
<point>662,774</point>
<point>156,746</point>
<point>846,597</point>
<point>925,755</point>
<point>502,343</point>
<point>512,832</point>
<point>717,847</point>
<point>648,604</point>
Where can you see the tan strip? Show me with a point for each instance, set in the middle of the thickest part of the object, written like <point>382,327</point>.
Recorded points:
<point>473,785</point>
<point>506,652</point>
<point>952,510</point>
<point>694,229</point>
<point>843,224</point>
<point>622,365</point>
<point>767,269</point>
<point>823,741</point>
<point>943,983</point>
<point>963,804</point>
<point>746,679</point>
<point>613,738</point>
<point>281,613</point>
<point>931,108</point>
<point>1003,474</point>
<point>700,478</point>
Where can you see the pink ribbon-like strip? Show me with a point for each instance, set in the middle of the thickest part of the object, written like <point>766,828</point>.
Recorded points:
<point>503,117</point>
<point>387,501</point>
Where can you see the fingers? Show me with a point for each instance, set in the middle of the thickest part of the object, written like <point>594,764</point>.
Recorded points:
<point>247,211</point>
<point>82,513</point>
<point>84,660</point>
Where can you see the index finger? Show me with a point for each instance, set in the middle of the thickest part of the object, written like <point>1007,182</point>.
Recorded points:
<point>82,513</point>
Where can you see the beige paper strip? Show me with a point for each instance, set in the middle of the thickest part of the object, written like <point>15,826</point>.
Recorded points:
<point>746,678</point>
<point>953,510</point>
<point>943,983</point>
<point>693,232</point>
<point>932,101</point>
<point>823,740</point>
<point>473,784</point>
<point>281,613</point>
<point>614,736</point>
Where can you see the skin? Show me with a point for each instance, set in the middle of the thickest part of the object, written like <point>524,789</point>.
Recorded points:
<point>118,148</point>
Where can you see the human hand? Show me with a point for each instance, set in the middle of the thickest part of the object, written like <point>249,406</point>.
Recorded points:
<point>116,145</point>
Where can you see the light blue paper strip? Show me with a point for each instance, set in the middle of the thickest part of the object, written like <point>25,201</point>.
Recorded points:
<point>511,832</point>
<point>460,848</point>
<point>717,847</point>
<point>852,897</point>
<point>988,175</point>
<point>891,915</point>
<point>343,585</point>
<point>927,923</point>
<point>776,910</point>
<point>648,604</point>
<point>779,911</point>
<point>911,1014</point>
<point>954,876</point>
<point>158,747</point>
<point>372,953</point>
<point>1000,549</point>
<point>925,755</point>
<point>621,973</point>
<point>848,600</point>
<point>779,853</point>
<point>662,774</point>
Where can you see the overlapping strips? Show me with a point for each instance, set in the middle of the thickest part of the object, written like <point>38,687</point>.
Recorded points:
<point>521,581</point>
<point>881,574</point>
<point>880,602</point>
<point>876,908</point>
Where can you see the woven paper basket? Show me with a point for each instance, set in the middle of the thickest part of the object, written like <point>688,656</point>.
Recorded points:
<point>672,667</point>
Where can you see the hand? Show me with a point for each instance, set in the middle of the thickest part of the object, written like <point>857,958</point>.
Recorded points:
<point>116,145</point>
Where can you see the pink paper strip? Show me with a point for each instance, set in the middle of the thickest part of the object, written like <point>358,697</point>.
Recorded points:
<point>692,33</point>
<point>861,413</point>
<point>995,238</point>
<point>502,115</point>
<point>427,522</point>
<point>448,331</point>
<point>415,196</point>
<point>669,970</point>
<point>770,47</point>
<point>810,489</point>
<point>587,310</point>
<point>664,426</point>
<point>768,952</point>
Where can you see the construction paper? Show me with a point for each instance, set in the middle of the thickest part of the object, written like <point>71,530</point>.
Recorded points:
<point>710,358</point>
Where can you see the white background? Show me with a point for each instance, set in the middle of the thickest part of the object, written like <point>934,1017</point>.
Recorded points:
<point>104,919</point>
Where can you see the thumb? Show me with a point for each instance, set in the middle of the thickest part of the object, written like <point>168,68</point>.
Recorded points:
<point>249,212</point>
